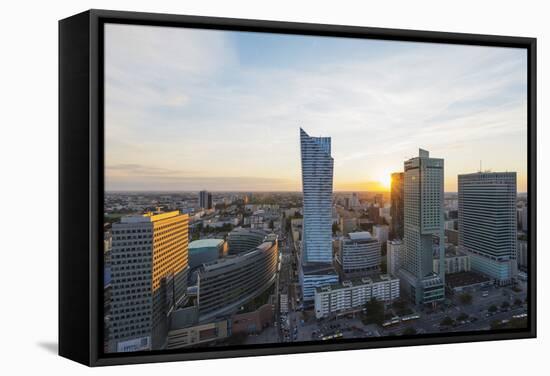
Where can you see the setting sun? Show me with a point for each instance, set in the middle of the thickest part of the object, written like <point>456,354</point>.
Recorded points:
<point>385,181</point>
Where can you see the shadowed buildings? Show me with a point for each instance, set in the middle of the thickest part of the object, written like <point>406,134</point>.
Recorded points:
<point>205,200</point>
<point>397,204</point>
<point>317,183</point>
<point>206,250</point>
<point>228,283</point>
<point>244,239</point>
<point>149,267</point>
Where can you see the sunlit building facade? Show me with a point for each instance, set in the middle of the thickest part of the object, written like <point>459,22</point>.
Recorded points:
<point>149,267</point>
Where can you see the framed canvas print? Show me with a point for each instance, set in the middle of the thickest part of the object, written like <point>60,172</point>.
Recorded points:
<point>235,187</point>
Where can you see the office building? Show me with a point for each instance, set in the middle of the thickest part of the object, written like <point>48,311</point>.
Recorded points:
<point>351,296</point>
<point>149,267</point>
<point>206,250</point>
<point>316,248</point>
<point>423,221</point>
<point>348,224</point>
<point>455,262</point>
<point>228,283</point>
<point>487,223</point>
<point>397,199</point>
<point>522,218</point>
<point>381,232</point>
<point>200,334</point>
<point>394,256</point>
<point>523,254</point>
<point>358,253</point>
<point>205,200</point>
<point>244,239</point>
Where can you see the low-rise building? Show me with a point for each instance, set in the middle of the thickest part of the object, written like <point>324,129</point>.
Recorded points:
<point>226,284</point>
<point>455,262</point>
<point>523,254</point>
<point>359,252</point>
<point>197,334</point>
<point>394,256</point>
<point>351,296</point>
<point>206,250</point>
<point>381,232</point>
<point>244,239</point>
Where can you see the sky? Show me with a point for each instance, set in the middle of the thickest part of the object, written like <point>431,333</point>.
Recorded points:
<point>190,109</point>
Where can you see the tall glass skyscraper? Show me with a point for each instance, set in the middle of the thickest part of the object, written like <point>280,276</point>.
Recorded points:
<point>317,180</point>
<point>423,221</point>
<point>487,223</point>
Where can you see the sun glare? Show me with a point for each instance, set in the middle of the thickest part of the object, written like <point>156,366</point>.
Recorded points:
<point>386,181</point>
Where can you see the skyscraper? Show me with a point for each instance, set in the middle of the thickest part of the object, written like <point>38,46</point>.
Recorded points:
<point>205,200</point>
<point>423,221</point>
<point>397,204</point>
<point>317,177</point>
<point>487,223</point>
<point>149,267</point>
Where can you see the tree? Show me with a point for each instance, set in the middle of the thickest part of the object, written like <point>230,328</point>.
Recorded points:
<point>518,323</point>
<point>399,305</point>
<point>447,321</point>
<point>465,298</point>
<point>409,331</point>
<point>375,312</point>
<point>493,308</point>
<point>462,317</point>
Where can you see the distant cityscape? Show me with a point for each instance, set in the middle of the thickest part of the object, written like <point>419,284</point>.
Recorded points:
<point>209,268</point>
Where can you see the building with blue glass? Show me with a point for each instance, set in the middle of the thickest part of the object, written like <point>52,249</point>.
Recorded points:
<point>316,268</point>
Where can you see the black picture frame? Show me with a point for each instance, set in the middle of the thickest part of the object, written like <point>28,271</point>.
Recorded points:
<point>81,184</point>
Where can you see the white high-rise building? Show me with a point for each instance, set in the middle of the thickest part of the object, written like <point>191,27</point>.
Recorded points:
<point>381,232</point>
<point>394,256</point>
<point>317,178</point>
<point>424,221</point>
<point>487,223</point>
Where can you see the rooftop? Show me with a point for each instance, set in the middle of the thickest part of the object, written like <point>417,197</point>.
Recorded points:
<point>357,282</point>
<point>149,217</point>
<point>361,235</point>
<point>465,279</point>
<point>205,243</point>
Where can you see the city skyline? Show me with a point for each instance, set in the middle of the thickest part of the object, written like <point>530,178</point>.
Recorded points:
<point>172,113</point>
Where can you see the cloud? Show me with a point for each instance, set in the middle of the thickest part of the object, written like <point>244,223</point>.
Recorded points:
<point>191,99</point>
<point>213,183</point>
